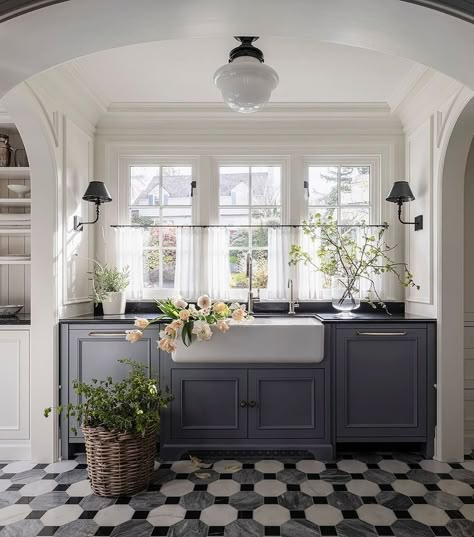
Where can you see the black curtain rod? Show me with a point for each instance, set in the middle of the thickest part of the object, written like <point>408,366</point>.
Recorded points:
<point>276,226</point>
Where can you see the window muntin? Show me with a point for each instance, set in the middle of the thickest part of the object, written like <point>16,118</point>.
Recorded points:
<point>248,196</point>
<point>340,191</point>
<point>160,195</point>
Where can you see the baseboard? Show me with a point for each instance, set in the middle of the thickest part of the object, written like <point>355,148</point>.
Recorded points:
<point>15,451</point>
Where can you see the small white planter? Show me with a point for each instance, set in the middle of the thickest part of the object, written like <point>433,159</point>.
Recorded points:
<point>115,303</point>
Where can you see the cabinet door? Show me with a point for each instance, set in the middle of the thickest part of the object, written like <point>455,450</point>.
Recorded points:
<point>381,382</point>
<point>94,354</point>
<point>286,403</point>
<point>207,403</point>
<point>14,385</point>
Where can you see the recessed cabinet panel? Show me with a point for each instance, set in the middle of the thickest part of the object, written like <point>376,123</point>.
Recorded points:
<point>94,354</point>
<point>207,403</point>
<point>286,403</point>
<point>381,383</point>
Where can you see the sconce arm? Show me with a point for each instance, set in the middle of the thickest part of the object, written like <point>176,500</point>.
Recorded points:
<point>418,222</point>
<point>79,225</point>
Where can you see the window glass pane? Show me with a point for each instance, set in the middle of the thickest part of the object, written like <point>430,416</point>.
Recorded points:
<point>355,185</point>
<point>177,185</point>
<point>176,216</point>
<point>266,185</point>
<point>264,217</point>
<point>151,268</point>
<point>144,185</point>
<point>322,185</point>
<point>234,185</point>
<point>238,269</point>
<point>230,217</point>
<point>145,215</point>
<point>355,215</point>
<point>238,238</point>
<point>325,212</point>
<point>169,268</point>
<point>260,269</point>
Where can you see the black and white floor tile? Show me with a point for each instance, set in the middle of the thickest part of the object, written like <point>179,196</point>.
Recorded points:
<point>364,495</point>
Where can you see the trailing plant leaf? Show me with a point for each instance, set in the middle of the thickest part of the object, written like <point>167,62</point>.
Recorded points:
<point>131,405</point>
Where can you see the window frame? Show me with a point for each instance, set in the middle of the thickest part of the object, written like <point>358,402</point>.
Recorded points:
<point>124,205</point>
<point>250,161</point>
<point>341,161</point>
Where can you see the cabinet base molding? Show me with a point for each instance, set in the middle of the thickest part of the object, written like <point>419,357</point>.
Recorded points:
<point>175,452</point>
<point>15,451</point>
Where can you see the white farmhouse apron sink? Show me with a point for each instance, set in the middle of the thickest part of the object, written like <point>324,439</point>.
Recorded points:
<point>262,340</point>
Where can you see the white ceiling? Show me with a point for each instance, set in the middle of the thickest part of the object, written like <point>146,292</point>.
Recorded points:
<point>182,71</point>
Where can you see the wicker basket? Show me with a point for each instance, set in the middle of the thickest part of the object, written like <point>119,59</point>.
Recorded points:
<point>119,464</point>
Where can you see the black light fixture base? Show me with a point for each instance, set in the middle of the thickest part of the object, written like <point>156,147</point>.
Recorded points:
<point>418,222</point>
<point>78,225</point>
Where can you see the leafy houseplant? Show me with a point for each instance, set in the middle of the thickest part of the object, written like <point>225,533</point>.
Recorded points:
<point>120,422</point>
<point>108,286</point>
<point>348,259</point>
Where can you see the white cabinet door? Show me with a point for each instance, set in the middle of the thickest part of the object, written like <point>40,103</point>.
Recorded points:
<point>14,385</point>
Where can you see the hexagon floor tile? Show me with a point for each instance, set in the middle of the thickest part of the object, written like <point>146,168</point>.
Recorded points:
<point>363,495</point>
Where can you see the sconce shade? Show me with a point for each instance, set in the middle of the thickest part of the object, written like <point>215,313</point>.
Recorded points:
<point>400,193</point>
<point>97,193</point>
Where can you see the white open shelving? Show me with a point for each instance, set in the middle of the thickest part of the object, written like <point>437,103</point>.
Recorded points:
<point>15,202</point>
<point>11,172</point>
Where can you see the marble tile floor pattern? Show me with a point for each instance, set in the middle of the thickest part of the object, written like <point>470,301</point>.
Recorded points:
<point>360,495</point>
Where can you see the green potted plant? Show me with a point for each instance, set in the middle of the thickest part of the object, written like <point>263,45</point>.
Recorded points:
<point>349,258</point>
<point>120,422</point>
<point>108,287</point>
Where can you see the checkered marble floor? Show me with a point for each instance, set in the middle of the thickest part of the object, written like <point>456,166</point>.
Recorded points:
<point>359,495</point>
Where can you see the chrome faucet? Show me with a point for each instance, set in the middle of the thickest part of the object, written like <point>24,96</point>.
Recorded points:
<point>292,303</point>
<point>251,299</point>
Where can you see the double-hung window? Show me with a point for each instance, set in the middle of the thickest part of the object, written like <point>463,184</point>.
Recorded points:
<point>160,195</point>
<point>249,197</point>
<point>343,192</point>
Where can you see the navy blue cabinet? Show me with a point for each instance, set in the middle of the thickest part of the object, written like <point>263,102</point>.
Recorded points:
<point>92,352</point>
<point>384,383</point>
<point>245,407</point>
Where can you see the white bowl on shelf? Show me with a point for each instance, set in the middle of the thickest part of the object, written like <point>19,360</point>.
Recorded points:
<point>9,310</point>
<point>20,190</point>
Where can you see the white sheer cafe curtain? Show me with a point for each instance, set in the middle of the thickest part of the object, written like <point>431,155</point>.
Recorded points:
<point>188,265</point>
<point>129,246</point>
<point>279,242</point>
<point>218,269</point>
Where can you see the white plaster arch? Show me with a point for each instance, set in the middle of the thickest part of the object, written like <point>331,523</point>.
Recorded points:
<point>33,127</point>
<point>450,281</point>
<point>42,39</point>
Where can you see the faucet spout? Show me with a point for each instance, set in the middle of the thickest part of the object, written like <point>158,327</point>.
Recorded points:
<point>292,303</point>
<point>250,298</point>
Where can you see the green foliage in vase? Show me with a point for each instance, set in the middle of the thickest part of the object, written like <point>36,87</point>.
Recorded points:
<point>108,280</point>
<point>355,255</point>
<point>131,405</point>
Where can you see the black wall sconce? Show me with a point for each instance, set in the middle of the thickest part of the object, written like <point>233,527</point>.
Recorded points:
<point>96,193</point>
<point>400,194</point>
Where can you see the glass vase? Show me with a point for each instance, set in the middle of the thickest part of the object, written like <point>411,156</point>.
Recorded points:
<point>345,295</point>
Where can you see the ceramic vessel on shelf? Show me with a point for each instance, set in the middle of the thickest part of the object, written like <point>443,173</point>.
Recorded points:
<point>5,151</point>
<point>20,158</point>
<point>345,295</point>
<point>115,303</point>
<point>20,190</point>
<point>9,310</point>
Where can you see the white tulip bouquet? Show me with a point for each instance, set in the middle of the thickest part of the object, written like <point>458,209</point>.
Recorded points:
<point>191,322</point>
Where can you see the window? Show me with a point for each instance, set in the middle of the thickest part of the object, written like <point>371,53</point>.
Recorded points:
<point>343,192</point>
<point>249,196</point>
<point>160,195</point>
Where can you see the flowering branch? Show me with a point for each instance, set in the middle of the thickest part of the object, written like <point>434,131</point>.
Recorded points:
<point>190,322</point>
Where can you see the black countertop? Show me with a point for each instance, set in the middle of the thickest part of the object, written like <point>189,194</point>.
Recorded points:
<point>328,317</point>
<point>20,319</point>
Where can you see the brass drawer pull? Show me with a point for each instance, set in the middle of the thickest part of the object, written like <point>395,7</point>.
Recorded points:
<point>381,333</point>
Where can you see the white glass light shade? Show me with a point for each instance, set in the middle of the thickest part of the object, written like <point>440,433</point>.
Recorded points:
<point>246,84</point>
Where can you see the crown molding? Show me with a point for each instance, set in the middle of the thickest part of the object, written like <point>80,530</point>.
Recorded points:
<point>273,120</point>
<point>406,86</point>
